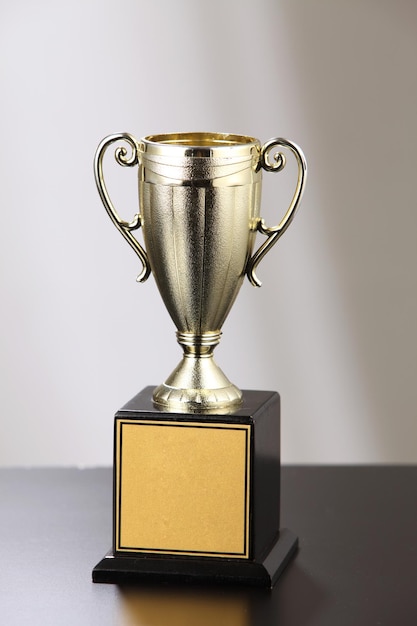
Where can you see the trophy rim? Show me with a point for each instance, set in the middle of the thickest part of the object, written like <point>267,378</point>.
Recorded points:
<point>200,144</point>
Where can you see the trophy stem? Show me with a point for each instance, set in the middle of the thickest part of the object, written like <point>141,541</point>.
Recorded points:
<point>198,383</point>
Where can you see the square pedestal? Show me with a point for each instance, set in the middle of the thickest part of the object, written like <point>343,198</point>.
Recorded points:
<point>196,497</point>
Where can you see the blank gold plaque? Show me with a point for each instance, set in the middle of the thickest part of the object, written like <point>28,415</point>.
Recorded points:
<point>182,488</point>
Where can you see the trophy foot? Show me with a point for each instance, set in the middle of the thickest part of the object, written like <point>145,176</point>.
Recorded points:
<point>198,384</point>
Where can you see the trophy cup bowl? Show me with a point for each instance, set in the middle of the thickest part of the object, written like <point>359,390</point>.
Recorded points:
<point>199,210</point>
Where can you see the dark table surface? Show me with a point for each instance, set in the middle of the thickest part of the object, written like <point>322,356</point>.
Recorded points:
<point>357,562</point>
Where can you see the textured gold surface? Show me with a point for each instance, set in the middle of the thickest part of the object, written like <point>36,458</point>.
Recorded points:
<point>199,198</point>
<point>182,488</point>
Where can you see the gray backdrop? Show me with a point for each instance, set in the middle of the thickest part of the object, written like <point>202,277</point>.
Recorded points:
<point>333,327</point>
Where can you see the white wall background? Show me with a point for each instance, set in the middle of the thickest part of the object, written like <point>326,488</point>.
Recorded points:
<point>334,326</point>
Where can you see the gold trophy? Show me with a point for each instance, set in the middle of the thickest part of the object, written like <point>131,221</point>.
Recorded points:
<point>199,211</point>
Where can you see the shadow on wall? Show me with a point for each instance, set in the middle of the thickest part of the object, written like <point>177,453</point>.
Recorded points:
<point>360,98</point>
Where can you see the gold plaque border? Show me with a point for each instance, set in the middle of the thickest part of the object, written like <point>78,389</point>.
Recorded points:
<point>118,458</point>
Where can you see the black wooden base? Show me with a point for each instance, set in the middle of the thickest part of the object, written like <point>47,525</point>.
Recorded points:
<point>232,478</point>
<point>126,569</point>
